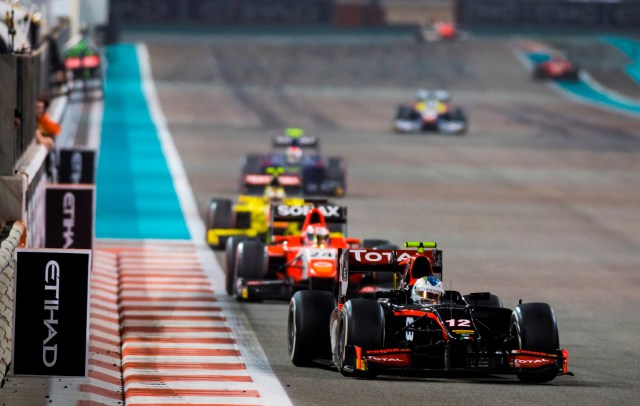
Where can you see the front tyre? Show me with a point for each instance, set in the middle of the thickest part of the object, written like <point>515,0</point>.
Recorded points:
<point>250,265</point>
<point>362,325</point>
<point>231,249</point>
<point>308,326</point>
<point>219,215</point>
<point>536,329</point>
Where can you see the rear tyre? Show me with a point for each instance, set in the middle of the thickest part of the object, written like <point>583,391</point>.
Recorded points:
<point>535,326</point>
<point>362,324</point>
<point>336,172</point>
<point>308,326</point>
<point>220,214</point>
<point>252,165</point>
<point>250,264</point>
<point>405,113</point>
<point>231,249</point>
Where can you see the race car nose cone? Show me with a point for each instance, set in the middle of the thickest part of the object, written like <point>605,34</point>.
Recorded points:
<point>322,268</point>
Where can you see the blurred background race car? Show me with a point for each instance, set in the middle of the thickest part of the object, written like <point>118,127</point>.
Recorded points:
<point>440,31</point>
<point>299,160</point>
<point>556,67</point>
<point>431,111</point>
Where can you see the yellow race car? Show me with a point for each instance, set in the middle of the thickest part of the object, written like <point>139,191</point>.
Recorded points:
<point>248,216</point>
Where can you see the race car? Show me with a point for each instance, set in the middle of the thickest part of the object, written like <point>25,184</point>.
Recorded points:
<point>418,327</point>
<point>440,31</point>
<point>432,111</point>
<point>299,157</point>
<point>306,260</point>
<point>556,67</point>
<point>249,215</point>
<point>83,62</point>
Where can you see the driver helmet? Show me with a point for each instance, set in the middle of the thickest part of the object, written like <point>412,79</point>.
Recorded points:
<point>422,95</point>
<point>427,290</point>
<point>442,95</point>
<point>294,154</point>
<point>274,193</point>
<point>317,235</point>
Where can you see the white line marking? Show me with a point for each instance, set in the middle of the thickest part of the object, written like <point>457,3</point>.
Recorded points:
<point>270,388</point>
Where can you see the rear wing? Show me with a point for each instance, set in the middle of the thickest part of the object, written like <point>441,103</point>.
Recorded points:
<point>297,213</point>
<point>254,179</point>
<point>333,216</point>
<point>256,184</point>
<point>303,141</point>
<point>373,260</point>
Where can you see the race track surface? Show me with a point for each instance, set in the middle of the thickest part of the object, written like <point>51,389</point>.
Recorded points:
<point>539,201</point>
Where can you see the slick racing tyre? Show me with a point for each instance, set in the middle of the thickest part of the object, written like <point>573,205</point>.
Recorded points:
<point>336,172</point>
<point>406,113</point>
<point>250,265</point>
<point>362,324</point>
<point>252,165</point>
<point>220,214</point>
<point>308,326</point>
<point>535,327</point>
<point>231,249</point>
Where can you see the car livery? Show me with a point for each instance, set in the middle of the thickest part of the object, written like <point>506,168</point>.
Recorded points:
<point>276,270</point>
<point>299,158</point>
<point>249,215</point>
<point>556,68</point>
<point>391,334</point>
<point>434,113</point>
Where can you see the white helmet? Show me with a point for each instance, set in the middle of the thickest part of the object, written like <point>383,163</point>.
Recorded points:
<point>427,290</point>
<point>274,193</point>
<point>422,95</point>
<point>294,154</point>
<point>317,235</point>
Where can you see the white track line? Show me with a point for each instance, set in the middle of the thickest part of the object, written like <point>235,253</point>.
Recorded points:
<point>270,388</point>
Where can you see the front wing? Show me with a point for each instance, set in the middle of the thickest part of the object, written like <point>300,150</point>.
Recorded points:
<point>509,362</point>
<point>217,237</point>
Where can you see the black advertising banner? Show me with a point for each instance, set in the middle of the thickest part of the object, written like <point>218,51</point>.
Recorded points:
<point>50,335</point>
<point>76,165</point>
<point>69,216</point>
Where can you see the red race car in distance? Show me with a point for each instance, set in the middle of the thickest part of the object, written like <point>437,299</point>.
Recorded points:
<point>558,68</point>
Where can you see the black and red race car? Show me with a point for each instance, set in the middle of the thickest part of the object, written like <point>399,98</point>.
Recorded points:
<point>392,333</point>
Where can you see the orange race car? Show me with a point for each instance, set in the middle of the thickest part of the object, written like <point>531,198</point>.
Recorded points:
<point>307,260</point>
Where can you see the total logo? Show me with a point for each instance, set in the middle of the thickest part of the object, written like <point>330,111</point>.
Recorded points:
<point>377,256</point>
<point>533,361</point>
